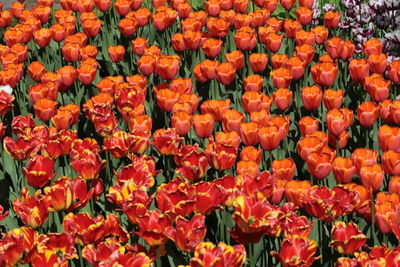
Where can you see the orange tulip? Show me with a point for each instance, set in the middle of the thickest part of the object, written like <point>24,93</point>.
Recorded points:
<point>393,71</point>
<point>307,145</point>
<point>324,73</point>
<point>251,101</point>
<point>372,46</point>
<point>311,96</point>
<point>192,39</point>
<point>167,67</point>
<point>279,60</point>
<point>291,27</point>
<point>45,109</point>
<point>212,7</point>
<point>249,133</point>
<point>231,120</point>
<point>321,34</point>
<point>284,169</point>
<point>203,125</point>
<point>245,39</point>
<point>128,26</point>
<point>372,176</point>
<point>226,73</point>
<point>304,37</point>
<point>359,69</point>
<point>42,37</point>
<point>86,73</point>
<point>236,57</point>
<point>102,5</point>
<point>305,52</point>
<point>228,138</point>
<point>389,138</point>
<point>182,122</point>
<point>333,98</point>
<point>273,42</point>
<point>281,77</point>
<point>348,50</point>
<point>394,185</point>
<point>215,107</point>
<point>367,113</point>
<point>319,164</point>
<point>308,125</point>
<point>334,47</point>
<point>258,61</point>
<point>332,19</point>
<point>391,162</point>
<point>116,53</point>
<point>241,20</point>
<point>68,77</point>
<point>304,15</point>
<point>92,27</point>
<point>282,98</point>
<point>261,117</point>
<point>251,153</point>
<point>377,63</point>
<point>294,191</point>
<point>212,47</point>
<point>343,170</point>
<point>364,157</point>
<point>269,137</point>
<point>377,87</point>
<point>36,70</point>
<point>241,5</point>
<point>253,82</point>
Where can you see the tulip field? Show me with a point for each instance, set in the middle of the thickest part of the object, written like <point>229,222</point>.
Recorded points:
<point>215,133</point>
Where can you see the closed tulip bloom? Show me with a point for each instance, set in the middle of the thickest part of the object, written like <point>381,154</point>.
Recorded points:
<point>241,20</point>
<point>92,27</point>
<point>332,19</point>
<point>304,15</point>
<point>333,98</point>
<point>166,99</point>
<point>319,164</point>
<point>68,77</point>
<point>177,42</point>
<point>248,167</point>
<point>146,64</point>
<point>306,3</point>
<point>216,108</point>
<point>305,52</point>
<point>377,87</point>
<point>294,191</point>
<point>359,69</point>
<point>236,57</point>
<point>231,120</point>
<point>182,122</point>
<point>221,156</point>
<point>39,171</point>
<point>372,46</point>
<point>261,117</point>
<point>245,39</point>
<point>251,153</point>
<point>88,51</point>
<point>281,77</point>
<point>70,52</point>
<point>364,157</point>
<point>311,96</point>
<point>321,34</point>
<point>86,73</point>
<point>208,69</point>
<point>258,61</point>
<point>291,27</point>
<point>287,4</point>
<point>269,137</point>
<point>339,141</point>
<point>45,109</point>
<point>296,66</point>
<point>253,82</point>
<point>384,111</point>
<point>395,111</point>
<point>249,133</point>
<point>226,73</point>
<point>372,176</point>
<point>282,98</point>
<point>128,26</point>
<point>212,47</point>
<point>343,170</point>
<point>307,145</point>
<point>308,125</point>
<point>367,113</point>
<point>167,67</point>
<point>324,73</point>
<point>391,162</point>
<point>139,45</point>
<point>347,238</point>
<point>228,138</point>
<point>212,7</point>
<point>348,50</point>
<point>304,37</point>
<point>42,37</point>
<point>273,42</point>
<point>203,125</point>
<point>116,53</point>
<point>284,169</point>
<point>279,61</point>
<point>377,63</point>
<point>334,47</point>
<point>394,185</point>
<point>336,121</point>
<point>393,71</point>
<point>389,138</point>
<point>36,70</point>
<point>241,5</point>
<point>192,39</point>
<point>102,5</point>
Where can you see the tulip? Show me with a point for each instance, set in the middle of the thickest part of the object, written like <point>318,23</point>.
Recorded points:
<point>393,71</point>
<point>42,37</point>
<point>192,39</point>
<point>273,42</point>
<point>347,238</point>
<point>284,169</point>
<point>39,171</point>
<point>304,15</point>
<point>390,162</point>
<point>252,101</point>
<point>279,60</point>
<point>321,34</point>
<point>269,137</point>
<point>281,78</point>
<point>372,176</point>
<point>236,57</point>
<point>228,138</point>
<point>311,96</point>
<point>249,133</point>
<point>333,99</point>
<point>182,122</point>
<point>372,46</point>
<point>308,125</point>
<point>282,98</point>
<point>294,191</point>
<point>234,256</point>
<point>258,62</point>
<point>359,69</point>
<point>296,250</point>
<point>226,73</point>
<point>389,138</point>
<point>245,39</point>
<point>377,87</point>
<point>334,47</point>
<point>193,163</point>
<point>167,67</point>
<point>296,66</point>
<point>291,27</point>
<point>231,120</point>
<point>319,164</point>
<point>212,47</point>
<point>367,113</point>
<point>253,82</point>
<point>216,108</point>
<point>307,145</point>
<point>343,170</point>
<point>324,73</point>
<point>394,185</point>
<point>166,141</point>
<point>332,19</point>
<point>377,63</point>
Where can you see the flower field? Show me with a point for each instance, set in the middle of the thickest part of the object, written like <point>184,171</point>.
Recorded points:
<point>216,133</point>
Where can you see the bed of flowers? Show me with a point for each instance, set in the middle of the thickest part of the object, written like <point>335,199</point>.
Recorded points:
<point>200,133</point>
